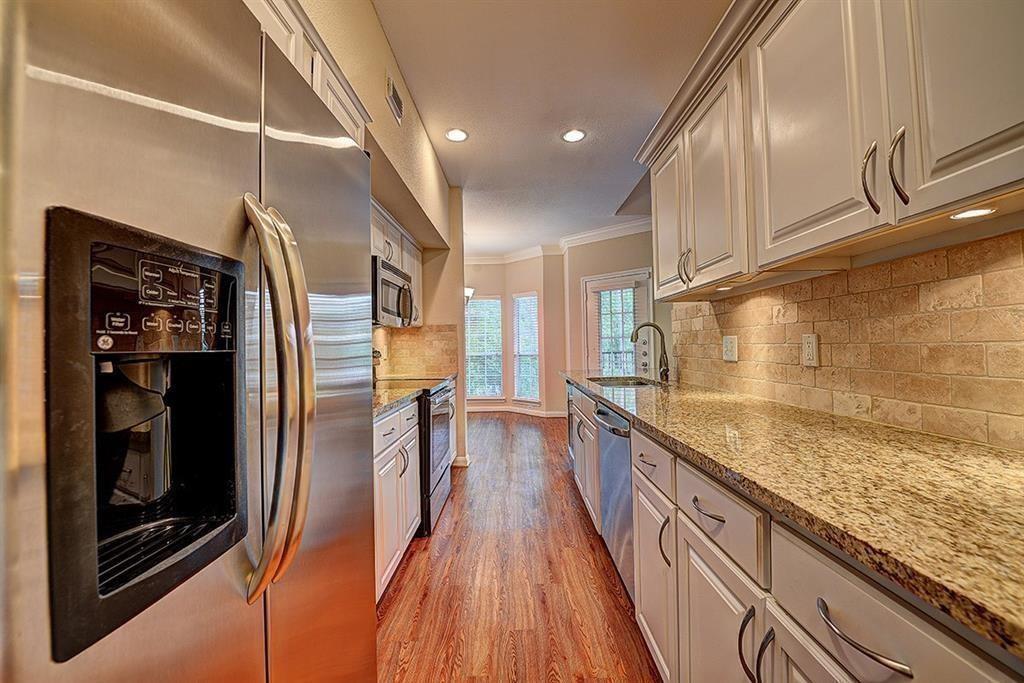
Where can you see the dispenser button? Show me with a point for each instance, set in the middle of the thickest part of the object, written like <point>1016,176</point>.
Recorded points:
<point>174,325</point>
<point>192,327</point>
<point>210,327</point>
<point>152,293</point>
<point>225,329</point>
<point>118,321</point>
<point>151,323</point>
<point>152,274</point>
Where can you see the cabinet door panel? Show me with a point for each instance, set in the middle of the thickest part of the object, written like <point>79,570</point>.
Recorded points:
<point>282,26</point>
<point>387,509</point>
<point>410,475</point>
<point>667,221</point>
<point>330,89</point>
<point>963,109</point>
<point>714,597</point>
<point>591,479</point>
<point>816,107</point>
<point>794,657</point>
<point>714,183</point>
<point>654,540</point>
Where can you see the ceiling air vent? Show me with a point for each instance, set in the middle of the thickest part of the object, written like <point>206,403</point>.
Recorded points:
<point>395,100</point>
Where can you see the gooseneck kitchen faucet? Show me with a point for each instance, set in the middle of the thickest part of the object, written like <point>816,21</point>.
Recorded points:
<point>663,358</point>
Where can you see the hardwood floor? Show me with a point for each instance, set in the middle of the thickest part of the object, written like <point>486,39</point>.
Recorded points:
<point>515,584</point>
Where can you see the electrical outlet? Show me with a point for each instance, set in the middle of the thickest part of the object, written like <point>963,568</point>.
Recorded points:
<point>809,350</point>
<point>729,351</point>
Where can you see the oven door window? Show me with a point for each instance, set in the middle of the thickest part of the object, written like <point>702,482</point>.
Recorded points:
<point>439,436</point>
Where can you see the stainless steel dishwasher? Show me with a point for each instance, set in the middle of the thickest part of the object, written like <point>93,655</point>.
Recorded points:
<point>616,491</point>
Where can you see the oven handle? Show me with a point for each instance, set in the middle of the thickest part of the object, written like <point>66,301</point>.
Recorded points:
<point>307,390</point>
<point>286,352</point>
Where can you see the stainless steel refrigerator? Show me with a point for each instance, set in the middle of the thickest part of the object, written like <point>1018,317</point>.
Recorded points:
<point>151,121</point>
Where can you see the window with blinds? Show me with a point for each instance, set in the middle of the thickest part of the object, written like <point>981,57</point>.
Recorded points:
<point>525,347</point>
<point>483,348</point>
<point>616,316</point>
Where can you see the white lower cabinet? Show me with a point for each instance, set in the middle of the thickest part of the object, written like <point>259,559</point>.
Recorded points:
<point>410,483</point>
<point>654,541</point>
<point>721,611</point>
<point>591,479</point>
<point>789,655</point>
<point>388,502</point>
<point>396,499</point>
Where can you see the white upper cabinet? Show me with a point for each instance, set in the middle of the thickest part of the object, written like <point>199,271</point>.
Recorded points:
<point>714,185</point>
<point>288,27</point>
<point>954,85</point>
<point>817,113</point>
<point>667,221</point>
<point>412,263</point>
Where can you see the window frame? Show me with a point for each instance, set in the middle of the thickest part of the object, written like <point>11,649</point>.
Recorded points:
<point>514,354</point>
<point>501,353</point>
<point>594,284</point>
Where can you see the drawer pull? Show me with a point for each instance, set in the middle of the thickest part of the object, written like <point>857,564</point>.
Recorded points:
<point>389,432</point>
<point>411,417</point>
<point>747,618</point>
<point>645,461</point>
<point>769,636</point>
<point>711,515</point>
<point>661,533</point>
<point>898,667</point>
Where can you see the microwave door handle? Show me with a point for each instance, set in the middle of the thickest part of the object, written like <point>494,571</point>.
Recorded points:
<point>307,390</point>
<point>408,290</point>
<point>286,353</point>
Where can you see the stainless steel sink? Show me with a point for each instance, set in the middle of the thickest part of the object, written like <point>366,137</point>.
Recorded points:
<point>623,381</point>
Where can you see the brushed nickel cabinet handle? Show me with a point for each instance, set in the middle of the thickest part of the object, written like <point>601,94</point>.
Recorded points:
<point>579,424</point>
<point>711,515</point>
<point>864,177</point>
<point>405,456</point>
<point>896,140</point>
<point>686,261</point>
<point>769,636</point>
<point>389,432</point>
<point>679,267</point>
<point>661,533</point>
<point>747,618</point>
<point>645,460</point>
<point>891,664</point>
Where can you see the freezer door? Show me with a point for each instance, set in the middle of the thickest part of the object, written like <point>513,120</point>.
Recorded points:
<point>321,614</point>
<point>146,113</point>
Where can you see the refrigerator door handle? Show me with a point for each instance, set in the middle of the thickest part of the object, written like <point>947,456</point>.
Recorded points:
<point>307,390</point>
<point>286,353</point>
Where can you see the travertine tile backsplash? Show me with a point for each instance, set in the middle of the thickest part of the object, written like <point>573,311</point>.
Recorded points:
<point>427,351</point>
<point>932,342</point>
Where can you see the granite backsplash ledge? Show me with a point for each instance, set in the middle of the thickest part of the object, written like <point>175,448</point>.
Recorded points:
<point>932,342</point>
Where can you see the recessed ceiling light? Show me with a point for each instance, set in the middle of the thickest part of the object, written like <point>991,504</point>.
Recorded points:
<point>971,213</point>
<point>456,135</point>
<point>574,135</point>
<point>723,288</point>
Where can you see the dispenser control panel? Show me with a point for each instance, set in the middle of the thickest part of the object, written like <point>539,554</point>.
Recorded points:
<point>145,303</point>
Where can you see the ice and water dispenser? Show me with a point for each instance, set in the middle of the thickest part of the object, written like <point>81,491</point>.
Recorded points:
<point>145,422</point>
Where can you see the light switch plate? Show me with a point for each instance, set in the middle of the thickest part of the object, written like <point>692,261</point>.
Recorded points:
<point>809,350</point>
<point>729,350</point>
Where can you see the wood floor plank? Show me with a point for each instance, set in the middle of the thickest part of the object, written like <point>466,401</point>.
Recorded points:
<point>515,584</point>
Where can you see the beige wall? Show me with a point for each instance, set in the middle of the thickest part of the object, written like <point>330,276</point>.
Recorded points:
<point>541,275</point>
<point>600,258</point>
<point>444,301</point>
<point>353,34</point>
<point>932,342</point>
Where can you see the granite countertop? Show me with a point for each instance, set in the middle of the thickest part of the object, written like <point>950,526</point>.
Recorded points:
<point>943,519</point>
<point>393,392</point>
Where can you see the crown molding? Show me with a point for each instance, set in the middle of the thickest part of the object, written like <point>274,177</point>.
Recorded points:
<point>728,38</point>
<point>598,235</point>
<point>610,232</point>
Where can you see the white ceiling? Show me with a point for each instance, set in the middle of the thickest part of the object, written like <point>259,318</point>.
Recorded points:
<point>516,74</point>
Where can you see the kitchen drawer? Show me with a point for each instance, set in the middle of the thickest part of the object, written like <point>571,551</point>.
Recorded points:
<point>802,575</point>
<point>385,431</point>
<point>407,417</point>
<point>654,461</point>
<point>738,527</point>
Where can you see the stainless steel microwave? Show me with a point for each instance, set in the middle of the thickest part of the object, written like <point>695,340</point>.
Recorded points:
<point>392,295</point>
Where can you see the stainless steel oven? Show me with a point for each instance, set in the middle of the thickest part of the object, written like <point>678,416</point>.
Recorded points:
<point>392,294</point>
<point>436,454</point>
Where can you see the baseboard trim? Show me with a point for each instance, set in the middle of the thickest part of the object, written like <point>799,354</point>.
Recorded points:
<point>522,410</point>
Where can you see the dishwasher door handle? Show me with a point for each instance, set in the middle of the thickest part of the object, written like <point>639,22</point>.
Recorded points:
<point>617,431</point>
